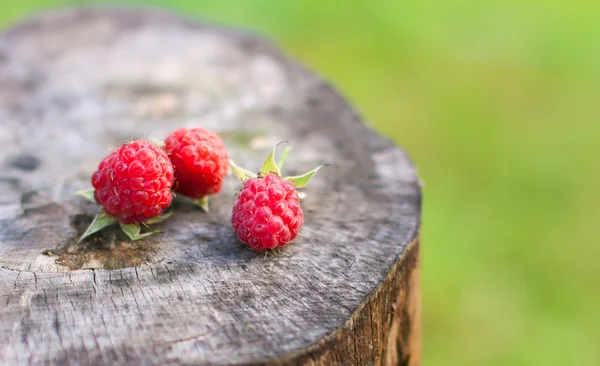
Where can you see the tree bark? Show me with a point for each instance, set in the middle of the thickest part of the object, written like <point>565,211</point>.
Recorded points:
<point>75,83</point>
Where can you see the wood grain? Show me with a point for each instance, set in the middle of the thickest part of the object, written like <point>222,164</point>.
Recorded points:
<point>74,83</point>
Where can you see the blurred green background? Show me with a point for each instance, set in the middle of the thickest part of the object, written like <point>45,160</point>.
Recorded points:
<point>498,104</point>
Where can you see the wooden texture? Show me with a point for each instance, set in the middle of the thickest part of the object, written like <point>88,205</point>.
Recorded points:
<point>76,82</point>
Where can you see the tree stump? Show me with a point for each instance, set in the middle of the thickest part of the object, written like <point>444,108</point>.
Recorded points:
<point>75,83</point>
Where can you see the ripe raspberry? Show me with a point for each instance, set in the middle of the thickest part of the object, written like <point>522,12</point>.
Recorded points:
<point>267,213</point>
<point>200,161</point>
<point>133,183</point>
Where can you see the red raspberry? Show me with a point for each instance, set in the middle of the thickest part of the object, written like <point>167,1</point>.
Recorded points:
<point>200,161</point>
<point>267,213</point>
<point>133,183</point>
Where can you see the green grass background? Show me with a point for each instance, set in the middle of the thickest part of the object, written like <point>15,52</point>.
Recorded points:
<point>498,104</point>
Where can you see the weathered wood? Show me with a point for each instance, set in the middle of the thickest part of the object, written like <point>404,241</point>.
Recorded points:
<point>75,82</point>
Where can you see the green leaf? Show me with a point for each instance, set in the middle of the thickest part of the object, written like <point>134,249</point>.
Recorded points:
<point>203,203</point>
<point>160,218</point>
<point>101,221</point>
<point>87,193</point>
<point>301,180</point>
<point>133,231</point>
<point>284,155</point>
<point>270,166</point>
<point>241,173</point>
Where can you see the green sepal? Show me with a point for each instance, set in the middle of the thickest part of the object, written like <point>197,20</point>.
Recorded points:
<point>270,166</point>
<point>202,203</point>
<point>284,155</point>
<point>301,180</point>
<point>241,173</point>
<point>160,218</point>
<point>101,221</point>
<point>133,231</point>
<point>87,194</point>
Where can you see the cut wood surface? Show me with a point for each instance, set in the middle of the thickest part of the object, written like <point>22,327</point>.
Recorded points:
<point>75,83</point>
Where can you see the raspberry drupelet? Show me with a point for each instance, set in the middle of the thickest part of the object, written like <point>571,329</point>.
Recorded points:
<point>200,161</point>
<point>133,183</point>
<point>267,213</point>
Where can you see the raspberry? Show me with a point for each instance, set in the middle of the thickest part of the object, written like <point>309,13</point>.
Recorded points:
<point>200,161</point>
<point>267,212</point>
<point>133,183</point>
